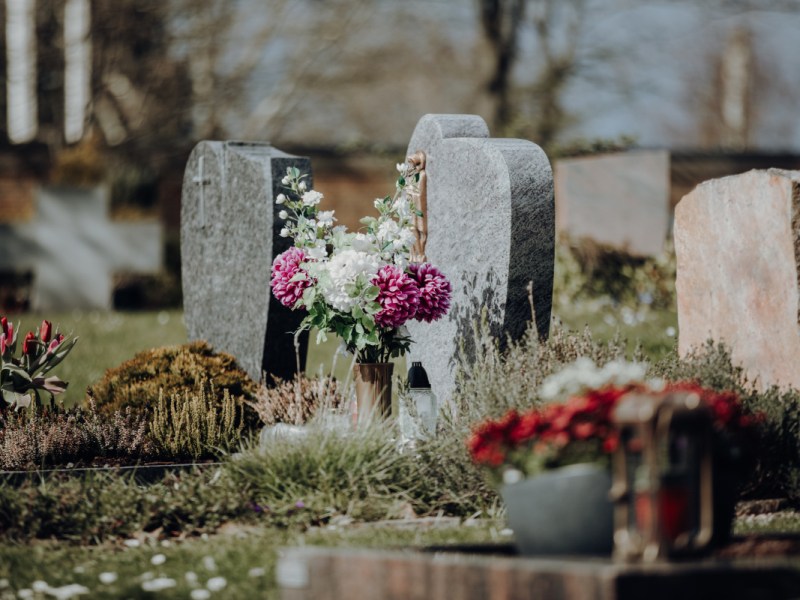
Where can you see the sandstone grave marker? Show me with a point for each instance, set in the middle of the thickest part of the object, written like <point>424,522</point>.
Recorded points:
<point>737,241</point>
<point>619,200</point>
<point>73,249</point>
<point>229,236</point>
<point>491,230</point>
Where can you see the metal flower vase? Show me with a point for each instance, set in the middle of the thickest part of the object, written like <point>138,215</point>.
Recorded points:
<point>373,383</point>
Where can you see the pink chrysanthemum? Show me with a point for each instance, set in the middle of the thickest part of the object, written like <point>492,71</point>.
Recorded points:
<point>435,292</point>
<point>398,296</point>
<point>284,267</point>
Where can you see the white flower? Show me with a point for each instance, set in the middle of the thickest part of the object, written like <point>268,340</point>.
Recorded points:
<point>318,251</point>
<point>283,214</point>
<point>216,584</point>
<point>377,203</point>
<point>280,199</point>
<point>302,186</point>
<point>402,207</point>
<point>405,239</point>
<point>107,577</point>
<point>200,594</point>
<point>209,563</point>
<point>132,543</point>
<point>284,232</point>
<point>40,586</point>
<point>158,559</point>
<point>362,242</point>
<point>191,577</point>
<point>285,181</point>
<point>344,269</point>
<point>512,476</point>
<point>158,584</point>
<point>325,217</point>
<point>311,197</point>
<point>387,231</point>
<point>25,593</point>
<point>256,572</point>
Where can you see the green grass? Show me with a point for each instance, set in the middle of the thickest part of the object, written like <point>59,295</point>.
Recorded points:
<point>244,556</point>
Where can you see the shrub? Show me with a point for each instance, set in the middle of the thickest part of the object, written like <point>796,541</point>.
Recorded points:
<point>776,464</point>
<point>37,438</point>
<point>195,425</point>
<point>138,382</point>
<point>296,402</point>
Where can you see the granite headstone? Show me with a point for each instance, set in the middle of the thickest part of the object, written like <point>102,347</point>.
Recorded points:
<point>491,230</point>
<point>229,237</point>
<point>737,241</point>
<point>617,200</point>
<point>73,249</point>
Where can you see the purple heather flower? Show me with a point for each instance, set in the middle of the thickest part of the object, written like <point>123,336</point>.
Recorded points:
<point>435,292</point>
<point>285,266</point>
<point>299,504</point>
<point>398,297</point>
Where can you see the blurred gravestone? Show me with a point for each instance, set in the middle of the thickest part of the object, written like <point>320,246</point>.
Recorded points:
<point>490,223</point>
<point>229,236</point>
<point>617,200</point>
<point>737,241</point>
<point>73,249</point>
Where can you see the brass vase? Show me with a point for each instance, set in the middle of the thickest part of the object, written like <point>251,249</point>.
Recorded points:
<point>373,390</point>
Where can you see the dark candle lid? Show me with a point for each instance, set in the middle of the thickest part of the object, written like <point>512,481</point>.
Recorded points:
<point>417,377</point>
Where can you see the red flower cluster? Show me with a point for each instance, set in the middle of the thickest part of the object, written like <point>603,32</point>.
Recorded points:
<point>726,408</point>
<point>553,426</point>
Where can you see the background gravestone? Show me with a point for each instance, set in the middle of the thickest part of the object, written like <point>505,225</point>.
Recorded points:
<point>73,249</point>
<point>618,200</point>
<point>490,230</point>
<point>229,236</point>
<point>737,241</point>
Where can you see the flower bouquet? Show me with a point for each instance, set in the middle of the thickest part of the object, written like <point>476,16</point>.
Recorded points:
<point>361,286</point>
<point>23,378</point>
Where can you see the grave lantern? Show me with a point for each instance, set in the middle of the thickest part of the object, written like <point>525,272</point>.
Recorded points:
<point>662,476</point>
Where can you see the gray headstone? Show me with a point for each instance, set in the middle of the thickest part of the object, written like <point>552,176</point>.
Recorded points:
<point>229,237</point>
<point>617,200</point>
<point>737,243</point>
<point>490,230</point>
<point>73,249</point>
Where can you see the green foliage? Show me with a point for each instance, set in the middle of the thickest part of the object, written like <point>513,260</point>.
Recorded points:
<point>138,382</point>
<point>196,425</point>
<point>359,473</point>
<point>586,270</point>
<point>104,506</point>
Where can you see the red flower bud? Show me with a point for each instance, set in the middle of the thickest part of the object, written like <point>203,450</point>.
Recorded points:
<point>29,344</point>
<point>4,325</point>
<point>55,343</point>
<point>45,331</point>
<point>2,343</point>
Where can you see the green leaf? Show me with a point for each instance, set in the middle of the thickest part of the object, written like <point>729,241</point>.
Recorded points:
<point>357,312</point>
<point>372,292</point>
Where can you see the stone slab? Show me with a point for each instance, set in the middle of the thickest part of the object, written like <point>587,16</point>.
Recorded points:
<point>229,237</point>
<point>490,230</point>
<point>618,200</point>
<point>73,249</point>
<point>737,241</point>
<point>353,574</point>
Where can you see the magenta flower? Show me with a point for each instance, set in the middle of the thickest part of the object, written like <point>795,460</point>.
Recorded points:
<point>435,292</point>
<point>285,266</point>
<point>398,297</point>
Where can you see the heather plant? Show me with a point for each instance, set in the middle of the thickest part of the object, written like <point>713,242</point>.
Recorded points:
<point>24,378</point>
<point>45,438</point>
<point>297,401</point>
<point>137,383</point>
<point>196,425</point>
